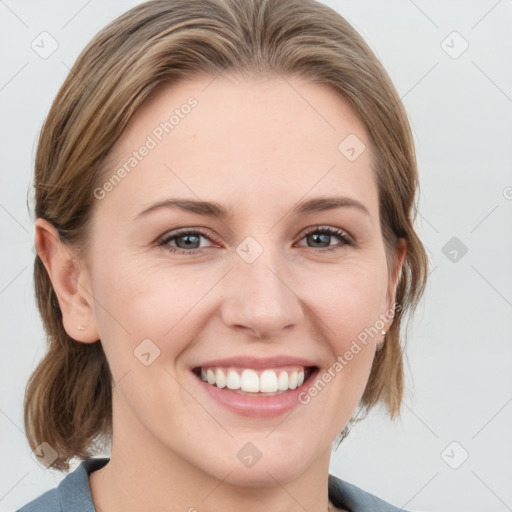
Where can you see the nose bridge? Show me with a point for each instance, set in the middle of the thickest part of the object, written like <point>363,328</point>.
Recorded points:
<point>261,298</point>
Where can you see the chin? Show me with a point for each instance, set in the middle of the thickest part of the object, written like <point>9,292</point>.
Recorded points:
<point>262,463</point>
<point>264,475</point>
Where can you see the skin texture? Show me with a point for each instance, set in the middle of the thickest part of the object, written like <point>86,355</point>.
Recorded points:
<point>257,146</point>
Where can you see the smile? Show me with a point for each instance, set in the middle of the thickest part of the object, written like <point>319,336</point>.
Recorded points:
<point>255,382</point>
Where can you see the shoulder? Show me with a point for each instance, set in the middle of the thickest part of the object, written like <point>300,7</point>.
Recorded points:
<point>72,494</point>
<point>47,502</point>
<point>344,494</point>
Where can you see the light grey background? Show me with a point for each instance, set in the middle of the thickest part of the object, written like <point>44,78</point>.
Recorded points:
<point>459,378</point>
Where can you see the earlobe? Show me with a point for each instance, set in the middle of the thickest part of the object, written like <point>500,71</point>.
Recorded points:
<point>69,282</point>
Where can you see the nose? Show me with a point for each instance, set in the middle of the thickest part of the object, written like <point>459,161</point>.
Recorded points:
<point>260,299</point>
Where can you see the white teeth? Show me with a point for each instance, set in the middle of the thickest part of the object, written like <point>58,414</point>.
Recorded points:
<point>282,382</point>
<point>292,380</point>
<point>268,381</point>
<point>250,381</point>
<point>233,380</point>
<point>220,378</point>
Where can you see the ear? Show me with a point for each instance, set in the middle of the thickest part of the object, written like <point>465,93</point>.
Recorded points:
<point>400,252</point>
<point>70,282</point>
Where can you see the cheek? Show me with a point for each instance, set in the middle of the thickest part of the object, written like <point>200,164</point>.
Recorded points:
<point>348,299</point>
<point>137,301</point>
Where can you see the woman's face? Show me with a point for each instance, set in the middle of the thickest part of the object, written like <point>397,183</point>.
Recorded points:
<point>254,285</point>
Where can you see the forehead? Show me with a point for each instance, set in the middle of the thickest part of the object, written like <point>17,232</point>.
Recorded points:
<point>228,138</point>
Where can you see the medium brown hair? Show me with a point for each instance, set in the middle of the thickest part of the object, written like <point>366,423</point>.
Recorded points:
<point>68,397</point>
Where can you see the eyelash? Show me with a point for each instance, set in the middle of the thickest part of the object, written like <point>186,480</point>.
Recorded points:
<point>342,235</point>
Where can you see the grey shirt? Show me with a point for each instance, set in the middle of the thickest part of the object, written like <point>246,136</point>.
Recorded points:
<point>73,494</point>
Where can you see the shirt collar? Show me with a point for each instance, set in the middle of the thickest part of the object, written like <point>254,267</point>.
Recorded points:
<point>74,490</point>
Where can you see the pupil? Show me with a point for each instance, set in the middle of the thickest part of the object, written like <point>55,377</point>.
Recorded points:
<point>317,237</point>
<point>188,239</point>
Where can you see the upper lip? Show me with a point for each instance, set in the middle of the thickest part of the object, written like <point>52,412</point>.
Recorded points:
<point>256,362</point>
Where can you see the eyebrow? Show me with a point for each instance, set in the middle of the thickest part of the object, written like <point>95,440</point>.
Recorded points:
<point>216,210</point>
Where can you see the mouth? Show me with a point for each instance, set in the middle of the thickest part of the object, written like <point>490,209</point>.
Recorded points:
<point>256,382</point>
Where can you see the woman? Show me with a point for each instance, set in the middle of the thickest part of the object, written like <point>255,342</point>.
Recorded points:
<point>225,197</point>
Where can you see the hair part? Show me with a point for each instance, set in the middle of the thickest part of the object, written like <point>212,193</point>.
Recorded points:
<point>68,400</point>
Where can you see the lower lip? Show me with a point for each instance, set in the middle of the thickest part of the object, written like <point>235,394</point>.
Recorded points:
<point>257,406</point>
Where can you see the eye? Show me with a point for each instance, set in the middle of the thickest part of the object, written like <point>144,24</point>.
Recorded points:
<point>322,234</point>
<point>187,241</point>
